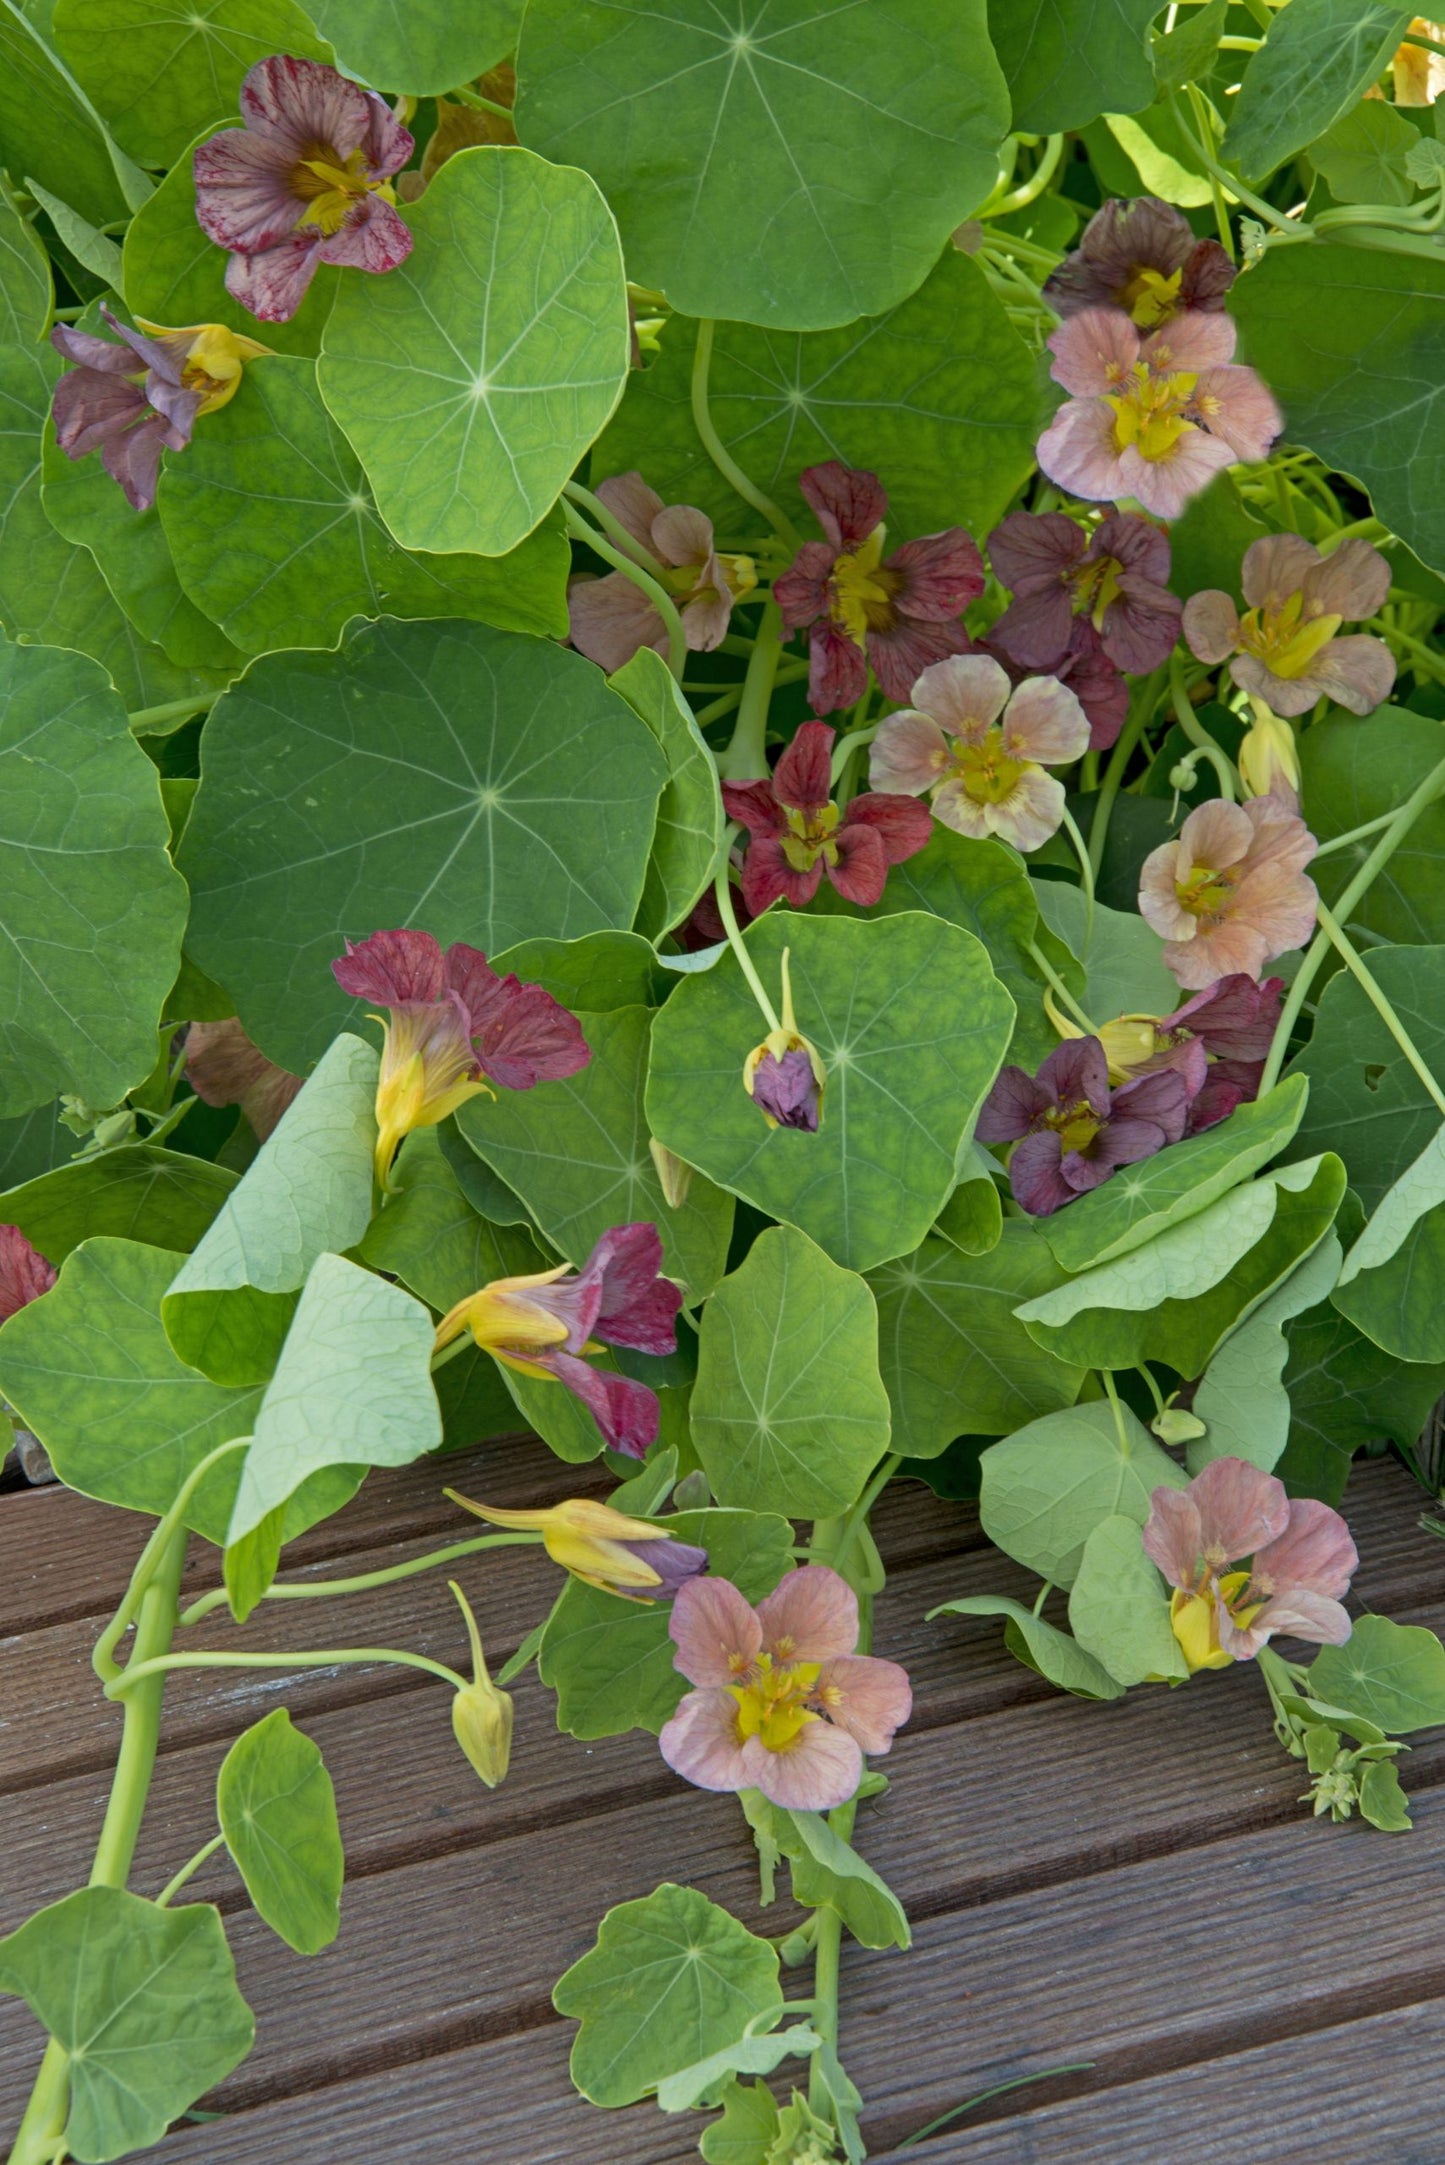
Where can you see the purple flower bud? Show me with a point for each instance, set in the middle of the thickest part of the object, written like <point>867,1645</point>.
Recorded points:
<point>787,1090</point>
<point>675,1562</point>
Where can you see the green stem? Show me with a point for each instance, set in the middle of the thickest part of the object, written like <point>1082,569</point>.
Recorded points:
<point>465,95</point>
<point>859,1513</point>
<point>151,1558</point>
<point>192,1865</point>
<point>661,600</point>
<point>1086,871</point>
<point>843,750</point>
<point>146,720</point>
<point>1355,964</point>
<point>718,452</point>
<point>1196,732</point>
<point>1145,697</point>
<point>1061,990</point>
<point>612,527</point>
<point>1148,1374</point>
<point>324,1658</point>
<point>723,892</point>
<point>365,1580</point>
<point>1019,198</point>
<point>1232,185</point>
<point>746,757</point>
<point>1355,834</point>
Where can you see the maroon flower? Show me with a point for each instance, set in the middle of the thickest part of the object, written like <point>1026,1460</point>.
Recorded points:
<point>127,402</point>
<point>1232,1025</point>
<point>1104,590</point>
<point>798,833</point>
<point>1141,257</point>
<point>1071,1131</point>
<point>304,182</point>
<point>223,1067</point>
<point>898,614</point>
<point>24,1272</point>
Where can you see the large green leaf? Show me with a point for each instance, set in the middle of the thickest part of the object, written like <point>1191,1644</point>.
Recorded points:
<point>955,1360</point>
<point>472,379</point>
<point>277,1810</point>
<point>1352,775</point>
<point>1117,952</point>
<point>352,1388</point>
<point>1244,1405</point>
<point>577,1153</point>
<point>25,281</point>
<point>1366,388</point>
<point>144,2002</point>
<point>866,134</point>
<point>911,1025</point>
<point>610,1660</point>
<point>159,1197</point>
<point>48,129</point>
<point>690,816</point>
<point>1366,1101</point>
<point>789,1412</point>
<point>1317,60</point>
<point>1393,1674</point>
<point>91,908</point>
<point>1390,1283</point>
<point>1048,1486</point>
<point>307,1190</point>
<point>671,1980</point>
<point>940,396</point>
<point>1067,61</point>
<point>273,527</point>
<point>418,46</point>
<point>1118,1609</point>
<point>162,70</point>
<point>487,784</point>
<point>1039,1645</point>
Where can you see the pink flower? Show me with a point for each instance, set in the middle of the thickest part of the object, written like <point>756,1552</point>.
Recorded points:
<point>1303,1561</point>
<point>223,1067</point>
<point>798,833</point>
<point>981,751</point>
<point>1153,418</point>
<point>1231,892</point>
<point>898,613</point>
<point>1141,257</point>
<point>541,1326</point>
<point>610,618</point>
<point>1285,650</point>
<point>452,1022</point>
<point>24,1272</point>
<point>1072,1133</point>
<point>1108,586</point>
<point>783,1703</point>
<point>306,181</point>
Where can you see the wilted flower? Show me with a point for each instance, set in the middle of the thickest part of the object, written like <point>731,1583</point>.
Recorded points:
<point>1285,649</point>
<point>306,181</point>
<point>1303,1561</point>
<point>482,1714</point>
<point>1070,1131</point>
<point>542,1324</point>
<point>611,617</point>
<point>1142,257</point>
<point>606,1548</point>
<point>783,1703</point>
<point>1110,585</point>
<point>1153,418</point>
<point>452,1022</point>
<point>1231,892</point>
<point>798,834</point>
<point>1218,1042</point>
<point>223,1067</point>
<point>898,614</point>
<point>134,400</point>
<point>981,751</point>
<point>24,1272</point>
<point>784,1076</point>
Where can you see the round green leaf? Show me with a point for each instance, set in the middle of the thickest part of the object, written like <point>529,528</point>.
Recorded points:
<point>866,135</point>
<point>483,783</point>
<point>160,1197</point>
<point>1393,1674</point>
<point>472,378</point>
<point>911,1025</point>
<point>143,2000</point>
<point>1048,1486</point>
<point>1067,61</point>
<point>273,526</point>
<point>419,46</point>
<point>1243,1404</point>
<point>789,1412</point>
<point>277,1810</point>
<point>940,396</point>
<point>161,70</point>
<point>92,907</point>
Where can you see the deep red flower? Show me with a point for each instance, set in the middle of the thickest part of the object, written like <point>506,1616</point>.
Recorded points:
<point>1104,590</point>
<point>897,614</point>
<point>798,833</point>
<point>24,1272</point>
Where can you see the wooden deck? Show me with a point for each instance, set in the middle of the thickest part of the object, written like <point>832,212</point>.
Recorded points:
<point>1134,1886</point>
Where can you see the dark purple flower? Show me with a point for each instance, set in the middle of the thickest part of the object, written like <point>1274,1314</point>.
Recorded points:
<point>1071,1132</point>
<point>306,181</point>
<point>1142,257</point>
<point>127,402</point>
<point>1233,1022</point>
<point>797,832</point>
<point>787,1090</point>
<point>1108,586</point>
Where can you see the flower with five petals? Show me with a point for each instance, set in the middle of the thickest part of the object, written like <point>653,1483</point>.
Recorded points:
<point>1285,649</point>
<point>1070,1131</point>
<point>1109,584</point>
<point>1230,892</point>
<point>798,834</point>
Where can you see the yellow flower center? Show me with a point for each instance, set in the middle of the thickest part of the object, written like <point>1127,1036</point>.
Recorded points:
<point>810,834</point>
<point>1149,411</point>
<point>1194,1617</point>
<point>688,583</point>
<point>1075,1125</point>
<point>1284,638</point>
<point>1149,296</point>
<point>1097,587</point>
<point>774,1706</point>
<point>861,591</point>
<point>989,774</point>
<point>1206,894</point>
<point>330,186</point>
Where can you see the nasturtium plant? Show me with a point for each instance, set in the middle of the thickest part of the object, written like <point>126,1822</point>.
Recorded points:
<point>721,736</point>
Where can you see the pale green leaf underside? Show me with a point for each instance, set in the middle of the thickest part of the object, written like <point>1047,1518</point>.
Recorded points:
<point>1048,1486</point>
<point>277,1810</point>
<point>419,46</point>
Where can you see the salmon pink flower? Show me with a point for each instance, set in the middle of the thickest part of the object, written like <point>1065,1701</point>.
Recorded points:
<point>306,181</point>
<point>1303,1561</point>
<point>1231,892</point>
<point>610,618</point>
<point>1284,650</point>
<point>981,750</point>
<point>453,1026</point>
<point>1142,257</point>
<point>898,613</point>
<point>798,834</point>
<point>1154,418</point>
<point>782,1704</point>
<point>542,1324</point>
<point>24,1273</point>
<point>223,1067</point>
<point>1108,585</point>
<point>604,1547</point>
<point>1085,670</point>
<point>1070,1131</point>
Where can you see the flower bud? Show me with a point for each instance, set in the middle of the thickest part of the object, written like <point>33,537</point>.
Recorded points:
<point>1174,1425</point>
<point>481,1714</point>
<point>674,1173</point>
<point>784,1076</point>
<point>1268,758</point>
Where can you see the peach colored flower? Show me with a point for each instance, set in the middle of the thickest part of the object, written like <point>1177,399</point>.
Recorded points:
<point>611,618</point>
<point>1284,648</point>
<point>982,751</point>
<point>1231,892</point>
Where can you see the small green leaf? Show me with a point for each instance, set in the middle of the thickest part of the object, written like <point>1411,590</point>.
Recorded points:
<point>1242,1402</point>
<point>1317,59</point>
<point>1118,1609</point>
<point>698,2084</point>
<point>1187,53</point>
<point>90,247</point>
<point>690,816</point>
<point>671,1980</point>
<point>1365,156</point>
<point>1382,1801</point>
<point>1118,954</point>
<point>277,1810</point>
<point>745,2133</point>
<point>158,1197</point>
<point>972,1218</point>
<point>1048,1486</point>
<point>1039,1646</point>
<point>1069,60</point>
<point>144,2002</point>
<point>423,47</point>
<point>826,1869</point>
<point>1393,1674</point>
<point>248,1566</point>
